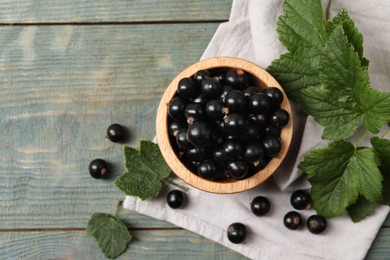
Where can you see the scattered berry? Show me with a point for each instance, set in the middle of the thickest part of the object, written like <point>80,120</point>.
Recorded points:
<point>236,233</point>
<point>98,168</point>
<point>316,224</point>
<point>292,220</point>
<point>116,133</point>
<point>175,199</point>
<point>300,199</point>
<point>260,206</point>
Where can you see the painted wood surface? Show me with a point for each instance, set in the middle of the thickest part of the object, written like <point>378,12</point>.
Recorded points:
<point>67,70</point>
<point>86,11</point>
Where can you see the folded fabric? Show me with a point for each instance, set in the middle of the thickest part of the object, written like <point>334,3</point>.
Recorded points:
<point>251,34</point>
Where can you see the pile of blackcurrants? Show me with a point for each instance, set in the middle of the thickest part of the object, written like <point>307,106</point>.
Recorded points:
<point>224,124</point>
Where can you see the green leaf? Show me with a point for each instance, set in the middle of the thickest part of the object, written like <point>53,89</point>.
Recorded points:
<point>110,233</point>
<point>145,171</point>
<point>361,209</point>
<point>382,149</point>
<point>339,174</point>
<point>302,26</point>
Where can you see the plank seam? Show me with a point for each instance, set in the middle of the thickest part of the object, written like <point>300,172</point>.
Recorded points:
<point>13,230</point>
<point>113,23</point>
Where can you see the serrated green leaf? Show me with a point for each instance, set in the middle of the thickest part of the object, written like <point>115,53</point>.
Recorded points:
<point>382,149</point>
<point>355,38</point>
<point>331,111</point>
<point>302,27</point>
<point>339,174</point>
<point>110,233</point>
<point>140,180</point>
<point>151,156</point>
<point>361,209</point>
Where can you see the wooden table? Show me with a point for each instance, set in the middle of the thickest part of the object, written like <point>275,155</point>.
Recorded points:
<point>68,69</point>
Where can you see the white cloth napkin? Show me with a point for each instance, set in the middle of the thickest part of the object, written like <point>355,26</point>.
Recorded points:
<point>251,34</point>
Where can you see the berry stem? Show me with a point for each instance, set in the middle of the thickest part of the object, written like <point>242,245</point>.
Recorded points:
<point>175,184</point>
<point>361,139</point>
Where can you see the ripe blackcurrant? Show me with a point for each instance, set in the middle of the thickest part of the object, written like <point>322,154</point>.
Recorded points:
<point>187,88</point>
<point>181,140</point>
<point>292,220</point>
<point>98,168</point>
<point>250,134</point>
<point>225,90</point>
<point>279,118</point>
<point>300,199</point>
<point>200,99</point>
<point>174,127</point>
<point>272,146</point>
<point>235,101</point>
<point>275,95</point>
<point>194,112</point>
<point>234,123</point>
<point>116,133</point>
<point>259,120</point>
<point>220,156</point>
<point>260,206</point>
<point>200,75</point>
<point>207,169</point>
<point>253,152</point>
<point>250,91</point>
<point>316,224</point>
<point>211,88</point>
<point>176,108</point>
<point>271,131</point>
<point>215,110</point>
<point>237,169</point>
<point>237,78</point>
<point>198,154</point>
<point>258,103</point>
<point>233,149</point>
<point>236,233</point>
<point>175,199</point>
<point>199,134</point>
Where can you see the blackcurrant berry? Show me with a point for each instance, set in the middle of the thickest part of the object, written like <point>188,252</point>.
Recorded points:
<point>225,90</point>
<point>194,112</point>
<point>300,199</point>
<point>271,131</point>
<point>316,224</point>
<point>250,134</point>
<point>215,110</point>
<point>174,127</point>
<point>279,118</point>
<point>237,169</point>
<point>253,152</point>
<point>211,88</point>
<point>222,78</point>
<point>181,140</point>
<point>186,88</point>
<point>207,169</point>
<point>199,134</point>
<point>98,168</point>
<point>259,120</point>
<point>234,123</point>
<point>272,146</point>
<point>200,75</point>
<point>200,99</point>
<point>116,133</point>
<point>292,220</point>
<point>250,91</point>
<point>198,154</point>
<point>220,156</point>
<point>233,149</point>
<point>236,233</point>
<point>237,78</point>
<point>260,206</point>
<point>175,199</point>
<point>176,108</point>
<point>258,103</point>
<point>258,165</point>
<point>235,101</point>
<point>275,95</point>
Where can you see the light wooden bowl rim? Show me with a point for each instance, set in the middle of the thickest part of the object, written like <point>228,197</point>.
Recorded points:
<point>180,169</point>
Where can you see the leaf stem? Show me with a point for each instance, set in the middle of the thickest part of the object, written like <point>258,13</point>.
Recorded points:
<point>175,184</point>
<point>118,205</point>
<point>361,139</point>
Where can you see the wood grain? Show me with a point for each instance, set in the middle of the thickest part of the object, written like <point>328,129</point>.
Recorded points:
<point>166,244</point>
<point>85,11</point>
<point>61,87</point>
<point>263,79</point>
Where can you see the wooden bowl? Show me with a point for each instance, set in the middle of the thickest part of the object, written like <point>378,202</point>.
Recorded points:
<point>231,186</point>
